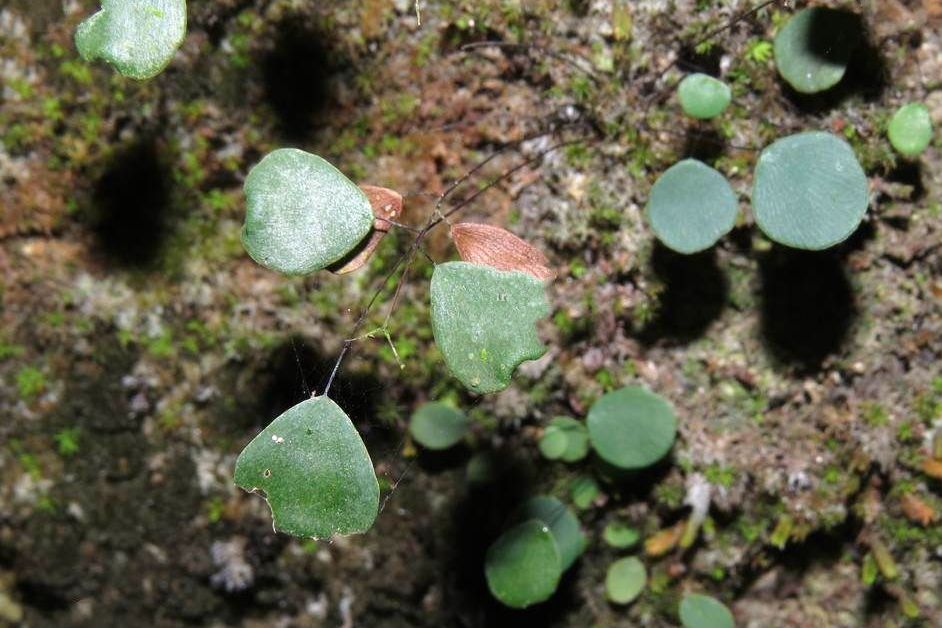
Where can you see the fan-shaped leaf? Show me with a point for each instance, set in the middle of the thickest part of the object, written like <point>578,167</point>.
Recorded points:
<point>703,611</point>
<point>702,96</point>
<point>138,37</point>
<point>500,249</point>
<point>625,580</point>
<point>562,524</point>
<point>484,320</point>
<point>522,567</point>
<point>814,47</point>
<point>302,214</point>
<point>631,427</point>
<point>910,129</point>
<point>438,426</point>
<point>315,471</point>
<point>809,191</point>
<point>691,207</point>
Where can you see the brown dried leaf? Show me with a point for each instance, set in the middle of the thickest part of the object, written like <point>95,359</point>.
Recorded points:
<point>932,468</point>
<point>917,510</point>
<point>500,249</point>
<point>387,205</point>
<point>665,540</point>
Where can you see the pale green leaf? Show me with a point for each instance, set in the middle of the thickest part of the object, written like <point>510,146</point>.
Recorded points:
<point>438,426</point>
<point>620,535</point>
<point>625,580</point>
<point>809,191</point>
<point>483,321</point>
<point>523,566</point>
<point>910,129</point>
<point>315,471</point>
<point>703,611</point>
<point>302,214</point>
<point>702,96</point>
<point>138,37</point>
<point>631,427</point>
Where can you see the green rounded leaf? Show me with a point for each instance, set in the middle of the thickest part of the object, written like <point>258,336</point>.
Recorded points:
<point>814,47</point>
<point>702,96</point>
<point>632,428</point>
<point>554,442</point>
<point>703,611</point>
<point>809,191</point>
<point>577,438</point>
<point>523,566</point>
<point>691,207</point>
<point>438,426</point>
<point>315,471</point>
<point>625,580</point>
<point>483,321</point>
<point>137,37</point>
<point>302,214</point>
<point>910,129</point>
<point>584,490</point>
<point>562,524</point>
<point>620,535</point>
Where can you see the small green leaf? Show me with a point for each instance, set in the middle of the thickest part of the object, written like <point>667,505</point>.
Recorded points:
<point>138,37</point>
<point>577,438</point>
<point>302,214</point>
<point>814,47</point>
<point>702,96</point>
<point>483,321</point>
<point>562,524</point>
<point>553,442</point>
<point>631,427</point>
<point>910,129</point>
<point>620,535</point>
<point>438,426</point>
<point>523,566</point>
<point>703,611</point>
<point>584,490</point>
<point>315,471</point>
<point>691,207</point>
<point>809,191</point>
<point>625,580</point>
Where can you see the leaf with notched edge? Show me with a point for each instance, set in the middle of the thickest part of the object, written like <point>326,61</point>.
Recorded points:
<point>386,205</point>
<point>500,249</point>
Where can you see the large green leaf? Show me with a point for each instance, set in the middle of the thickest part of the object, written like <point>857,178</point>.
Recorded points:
<point>523,567</point>
<point>809,191</point>
<point>483,321</point>
<point>702,611</point>
<point>691,206</point>
<point>632,427</point>
<point>814,47</point>
<point>302,214</point>
<point>438,426</point>
<point>315,471</point>
<point>562,524</point>
<point>138,37</point>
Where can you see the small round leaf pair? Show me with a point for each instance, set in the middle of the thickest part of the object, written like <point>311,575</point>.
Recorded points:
<point>691,206</point>
<point>632,428</point>
<point>315,471</point>
<point>910,129</point>
<point>625,580</point>
<point>483,321</point>
<point>438,426</point>
<point>138,37</point>
<point>814,47</point>
<point>302,214</point>
<point>702,96</point>
<point>565,439</point>
<point>702,611</point>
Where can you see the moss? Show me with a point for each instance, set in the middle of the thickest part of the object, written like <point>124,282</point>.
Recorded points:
<point>720,475</point>
<point>30,382</point>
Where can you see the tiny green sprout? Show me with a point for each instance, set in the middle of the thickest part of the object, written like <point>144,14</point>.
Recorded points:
<point>137,37</point>
<point>565,439</point>
<point>703,611</point>
<point>810,192</point>
<point>632,428</point>
<point>910,129</point>
<point>30,382</point>
<point>438,426</point>
<point>691,206</point>
<point>562,524</point>
<point>481,312</point>
<point>315,471</point>
<point>814,47</point>
<point>625,580</point>
<point>702,96</point>
<point>620,535</point>
<point>302,214</point>
<point>523,566</point>
<point>584,490</point>
<point>67,441</point>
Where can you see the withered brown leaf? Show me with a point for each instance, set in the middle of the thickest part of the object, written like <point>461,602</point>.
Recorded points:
<point>387,205</point>
<point>500,249</point>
